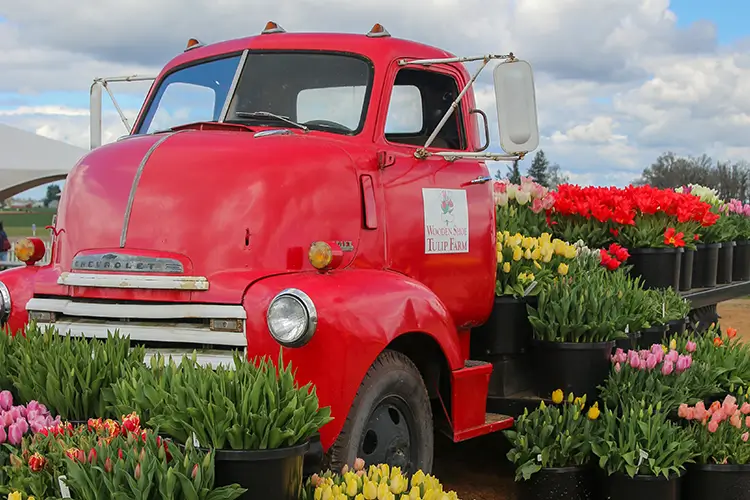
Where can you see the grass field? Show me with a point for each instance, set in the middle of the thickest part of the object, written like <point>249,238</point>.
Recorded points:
<point>18,224</point>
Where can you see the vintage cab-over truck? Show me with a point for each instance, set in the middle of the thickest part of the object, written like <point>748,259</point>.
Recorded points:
<point>324,194</point>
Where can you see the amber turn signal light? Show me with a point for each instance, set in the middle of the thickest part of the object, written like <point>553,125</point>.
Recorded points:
<point>29,250</point>
<point>324,255</point>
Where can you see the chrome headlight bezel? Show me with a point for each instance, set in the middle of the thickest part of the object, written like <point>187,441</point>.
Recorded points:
<point>5,304</point>
<point>311,313</point>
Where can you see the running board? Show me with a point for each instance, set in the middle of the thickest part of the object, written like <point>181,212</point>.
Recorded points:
<point>468,415</point>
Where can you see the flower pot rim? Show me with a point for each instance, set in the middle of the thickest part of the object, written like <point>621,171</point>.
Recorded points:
<point>509,299</point>
<point>742,242</point>
<point>651,250</point>
<point>729,243</point>
<point>721,467</point>
<point>708,245</point>
<point>656,329</point>
<point>575,346</point>
<point>649,477</point>
<point>677,321</point>
<point>567,469</point>
<point>228,455</point>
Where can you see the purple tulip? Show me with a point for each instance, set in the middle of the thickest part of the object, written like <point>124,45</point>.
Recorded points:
<point>6,400</point>
<point>15,435</point>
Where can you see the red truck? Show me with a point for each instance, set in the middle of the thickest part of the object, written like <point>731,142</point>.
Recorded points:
<point>326,194</point>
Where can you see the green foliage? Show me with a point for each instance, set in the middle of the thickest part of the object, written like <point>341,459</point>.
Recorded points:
<point>552,436</point>
<point>69,374</point>
<point>246,407</point>
<point>727,355</point>
<point>643,441</point>
<point>595,307</point>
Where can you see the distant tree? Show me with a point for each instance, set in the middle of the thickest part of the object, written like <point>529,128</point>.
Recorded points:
<point>514,173</point>
<point>53,194</point>
<point>539,169</point>
<point>555,177</point>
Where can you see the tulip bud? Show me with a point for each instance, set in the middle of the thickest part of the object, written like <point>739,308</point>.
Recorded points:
<point>194,473</point>
<point>108,465</point>
<point>137,473</point>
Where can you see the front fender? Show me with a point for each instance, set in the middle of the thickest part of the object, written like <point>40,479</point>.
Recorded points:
<point>360,312</point>
<point>20,283</point>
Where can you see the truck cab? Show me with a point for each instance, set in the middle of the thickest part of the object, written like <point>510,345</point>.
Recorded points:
<point>325,195</point>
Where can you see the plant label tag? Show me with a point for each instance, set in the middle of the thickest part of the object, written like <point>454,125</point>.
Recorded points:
<point>64,490</point>
<point>539,457</point>
<point>642,455</point>
<point>530,288</point>
<point>196,443</point>
<point>627,328</point>
<point>663,309</point>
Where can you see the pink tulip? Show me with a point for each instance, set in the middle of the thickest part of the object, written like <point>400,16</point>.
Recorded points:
<point>682,410</point>
<point>691,346</point>
<point>672,356</point>
<point>619,356</point>
<point>650,362</point>
<point>667,368</point>
<point>729,406</point>
<point>15,413</point>
<point>6,400</point>
<point>682,364</point>
<point>735,421</point>
<point>745,436</point>
<point>617,368</point>
<point>700,411</point>
<point>657,351</point>
<point>15,435</point>
<point>747,421</point>
<point>23,425</point>
<point>713,426</point>
<point>635,362</point>
<point>4,436</point>
<point>6,419</point>
<point>745,408</point>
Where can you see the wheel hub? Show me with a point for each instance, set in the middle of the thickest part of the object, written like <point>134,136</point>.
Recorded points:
<point>387,436</point>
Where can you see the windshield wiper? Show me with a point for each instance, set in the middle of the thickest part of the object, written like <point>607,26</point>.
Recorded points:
<point>266,114</point>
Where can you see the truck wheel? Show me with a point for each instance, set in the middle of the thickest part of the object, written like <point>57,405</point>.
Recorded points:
<point>390,420</point>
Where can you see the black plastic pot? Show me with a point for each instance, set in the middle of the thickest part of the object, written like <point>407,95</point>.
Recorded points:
<point>741,261</point>
<point>686,269</point>
<point>508,330</point>
<point>651,336</point>
<point>717,482</point>
<point>623,487</point>
<point>564,483</point>
<point>677,327</point>
<point>273,474</point>
<point>705,265</point>
<point>658,267</point>
<point>628,343</point>
<point>571,366</point>
<point>724,265</point>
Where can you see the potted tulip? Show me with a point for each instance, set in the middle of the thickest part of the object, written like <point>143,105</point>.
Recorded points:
<point>576,323</point>
<point>727,356</point>
<point>522,208</point>
<point>551,449</point>
<point>676,310</point>
<point>739,214</point>
<point>643,453</point>
<point>68,374</point>
<point>253,414</point>
<point>525,265</point>
<point>722,468</point>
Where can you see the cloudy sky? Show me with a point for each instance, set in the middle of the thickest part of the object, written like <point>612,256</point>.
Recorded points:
<point>618,81</point>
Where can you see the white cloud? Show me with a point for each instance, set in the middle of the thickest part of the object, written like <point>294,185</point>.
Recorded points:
<point>618,82</point>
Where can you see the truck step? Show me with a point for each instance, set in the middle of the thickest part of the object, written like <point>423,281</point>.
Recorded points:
<point>493,422</point>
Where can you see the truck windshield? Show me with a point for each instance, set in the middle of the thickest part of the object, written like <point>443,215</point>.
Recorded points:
<point>317,90</point>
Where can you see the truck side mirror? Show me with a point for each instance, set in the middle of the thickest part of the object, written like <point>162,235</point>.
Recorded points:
<point>516,107</point>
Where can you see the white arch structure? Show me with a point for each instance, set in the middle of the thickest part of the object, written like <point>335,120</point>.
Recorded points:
<point>28,160</point>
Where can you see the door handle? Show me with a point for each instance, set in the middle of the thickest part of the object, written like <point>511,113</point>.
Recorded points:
<point>478,180</point>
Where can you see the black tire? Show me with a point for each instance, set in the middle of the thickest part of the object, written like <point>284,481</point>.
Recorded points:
<point>391,399</point>
<point>702,318</point>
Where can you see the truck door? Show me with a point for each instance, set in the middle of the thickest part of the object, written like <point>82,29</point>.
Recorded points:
<point>440,227</point>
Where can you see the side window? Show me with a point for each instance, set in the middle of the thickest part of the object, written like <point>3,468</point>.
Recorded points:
<point>182,103</point>
<point>419,100</point>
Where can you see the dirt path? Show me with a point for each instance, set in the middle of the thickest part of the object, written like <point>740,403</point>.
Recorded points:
<point>736,314</point>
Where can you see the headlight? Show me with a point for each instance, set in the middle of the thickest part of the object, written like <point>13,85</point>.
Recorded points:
<point>4,303</point>
<point>292,318</point>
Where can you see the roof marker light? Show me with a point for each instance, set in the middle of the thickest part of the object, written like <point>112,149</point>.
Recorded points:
<point>378,31</point>
<point>193,43</point>
<point>272,27</point>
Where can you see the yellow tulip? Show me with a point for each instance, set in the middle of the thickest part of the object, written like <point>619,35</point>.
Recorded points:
<point>415,494</point>
<point>673,344</point>
<point>594,412</point>
<point>528,242</point>
<point>398,484</point>
<point>417,478</point>
<point>562,269</point>
<point>327,493</point>
<point>499,237</point>
<point>359,496</point>
<point>536,253</point>
<point>517,254</point>
<point>370,491</point>
<point>383,491</point>
<point>570,252</point>
<point>557,396</point>
<point>506,267</point>
<point>351,487</point>
<point>527,255</point>
<point>537,265</point>
<point>16,495</point>
<point>499,257</point>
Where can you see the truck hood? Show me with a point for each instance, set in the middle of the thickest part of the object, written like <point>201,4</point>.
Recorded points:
<point>216,201</point>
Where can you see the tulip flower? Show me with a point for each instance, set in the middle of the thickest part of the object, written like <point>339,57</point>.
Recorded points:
<point>690,346</point>
<point>731,332</point>
<point>667,368</point>
<point>557,396</point>
<point>6,400</point>
<point>15,435</point>
<point>3,434</point>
